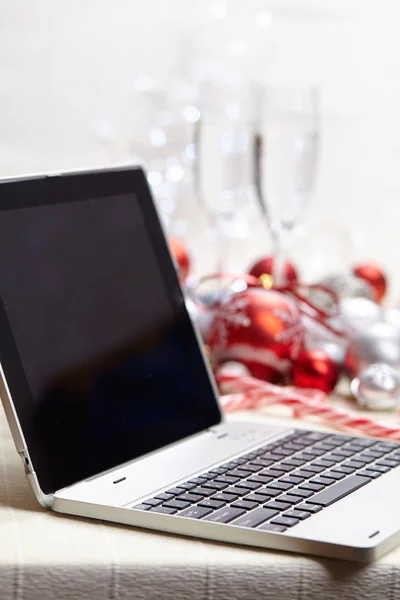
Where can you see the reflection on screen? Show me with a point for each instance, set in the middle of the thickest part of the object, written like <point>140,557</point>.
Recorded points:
<point>110,358</point>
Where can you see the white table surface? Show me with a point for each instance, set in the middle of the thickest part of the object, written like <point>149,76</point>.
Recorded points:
<point>44,555</point>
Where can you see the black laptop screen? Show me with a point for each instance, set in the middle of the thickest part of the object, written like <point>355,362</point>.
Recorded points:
<point>110,358</point>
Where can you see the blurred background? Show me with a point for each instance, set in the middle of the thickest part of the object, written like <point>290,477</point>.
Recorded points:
<point>93,82</point>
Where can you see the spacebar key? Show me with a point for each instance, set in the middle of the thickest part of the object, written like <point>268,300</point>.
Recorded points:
<point>339,490</point>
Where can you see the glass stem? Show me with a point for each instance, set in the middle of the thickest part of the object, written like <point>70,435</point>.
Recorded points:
<point>280,243</point>
<point>218,235</point>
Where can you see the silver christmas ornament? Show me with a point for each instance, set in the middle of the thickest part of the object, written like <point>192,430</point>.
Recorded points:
<point>377,387</point>
<point>392,316</point>
<point>375,343</point>
<point>356,313</point>
<point>347,286</point>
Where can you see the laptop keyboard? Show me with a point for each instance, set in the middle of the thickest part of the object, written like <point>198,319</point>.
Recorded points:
<point>281,483</point>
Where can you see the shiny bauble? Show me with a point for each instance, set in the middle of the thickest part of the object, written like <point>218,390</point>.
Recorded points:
<point>392,316</point>
<point>181,257</point>
<point>264,270</point>
<point>377,387</point>
<point>375,343</point>
<point>374,276</point>
<point>347,286</point>
<point>356,313</point>
<point>259,328</point>
<point>315,369</point>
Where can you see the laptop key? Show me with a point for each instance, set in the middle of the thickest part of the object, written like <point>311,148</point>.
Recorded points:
<point>324,462</point>
<point>225,515</point>
<point>311,508</point>
<point>343,469</point>
<point>304,473</point>
<point>255,498</point>
<point>354,464</point>
<point>225,497</point>
<point>187,485</point>
<point>260,479</point>
<point>250,485</point>
<point>215,485</point>
<point>285,521</point>
<point>152,502</point>
<point>196,512</point>
<point>302,493</point>
<point>272,473</point>
<point>338,440</point>
<point>245,504</point>
<point>325,481</point>
<point>290,499</point>
<point>292,479</point>
<point>371,474</point>
<point>364,442</point>
<point>271,491</point>
<point>376,453</point>
<point>142,507</point>
<point>366,458</point>
<point>305,456</point>
<point>211,503</point>
<point>380,468</point>
<point>255,517</point>
<point>164,496</point>
<point>198,480</point>
<point>202,491</point>
<point>237,473</point>
<point>280,485</point>
<point>316,451</point>
<point>219,471</point>
<point>253,468</point>
<point>387,462</point>
<point>336,475</point>
<point>272,456</point>
<point>339,490</point>
<point>345,452</point>
<point>284,450</point>
<point>190,498</point>
<point>176,504</point>
<point>263,462</point>
<point>164,510</point>
<point>175,491</point>
<point>297,514</point>
<point>293,462</point>
<point>227,479</point>
<point>276,505</point>
<point>315,468</point>
<point>315,487</point>
<point>237,491</point>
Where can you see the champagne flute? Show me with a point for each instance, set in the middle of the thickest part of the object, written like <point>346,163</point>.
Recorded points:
<point>286,131</point>
<point>223,166</point>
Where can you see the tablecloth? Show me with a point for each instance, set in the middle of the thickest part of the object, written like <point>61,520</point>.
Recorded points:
<point>44,555</point>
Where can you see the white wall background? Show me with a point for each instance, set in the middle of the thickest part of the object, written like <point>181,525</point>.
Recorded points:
<point>65,65</point>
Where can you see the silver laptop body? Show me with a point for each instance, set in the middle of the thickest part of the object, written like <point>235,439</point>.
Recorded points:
<point>197,475</point>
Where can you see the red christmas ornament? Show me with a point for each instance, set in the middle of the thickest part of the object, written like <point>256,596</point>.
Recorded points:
<point>375,277</point>
<point>259,328</point>
<point>315,369</point>
<point>181,255</point>
<point>265,267</point>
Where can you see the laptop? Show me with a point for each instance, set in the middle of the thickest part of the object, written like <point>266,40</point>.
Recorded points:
<point>112,405</point>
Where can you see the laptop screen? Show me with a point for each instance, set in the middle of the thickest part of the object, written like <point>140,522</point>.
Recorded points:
<point>112,365</point>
